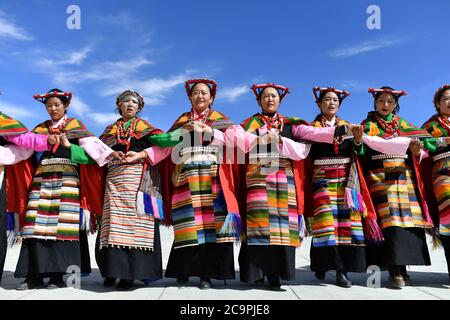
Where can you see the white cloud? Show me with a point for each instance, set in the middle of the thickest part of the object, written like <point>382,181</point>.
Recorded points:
<point>103,118</point>
<point>103,71</point>
<point>365,46</point>
<point>84,111</point>
<point>79,107</point>
<point>10,30</point>
<point>50,63</point>
<point>16,111</point>
<point>154,90</point>
<point>354,85</point>
<point>232,94</point>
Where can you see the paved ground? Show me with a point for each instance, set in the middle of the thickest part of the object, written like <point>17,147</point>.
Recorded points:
<point>431,283</point>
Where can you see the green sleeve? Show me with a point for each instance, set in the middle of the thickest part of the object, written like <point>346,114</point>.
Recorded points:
<point>360,149</point>
<point>430,144</point>
<point>78,155</point>
<point>166,140</point>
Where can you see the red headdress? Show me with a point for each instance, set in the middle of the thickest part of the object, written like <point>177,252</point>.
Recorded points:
<point>342,94</point>
<point>65,97</point>
<point>396,93</point>
<point>210,83</point>
<point>439,92</point>
<point>259,88</point>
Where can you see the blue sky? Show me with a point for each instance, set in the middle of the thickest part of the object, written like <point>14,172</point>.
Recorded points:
<point>154,46</point>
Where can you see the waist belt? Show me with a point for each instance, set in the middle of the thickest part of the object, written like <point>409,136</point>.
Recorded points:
<point>331,161</point>
<point>266,155</point>
<point>389,156</point>
<point>50,161</point>
<point>441,156</point>
<point>193,150</point>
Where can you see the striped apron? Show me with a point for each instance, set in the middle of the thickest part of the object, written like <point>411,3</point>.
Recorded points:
<point>198,204</point>
<point>441,184</point>
<point>122,225</point>
<point>394,192</point>
<point>333,223</point>
<point>53,210</point>
<point>272,216</point>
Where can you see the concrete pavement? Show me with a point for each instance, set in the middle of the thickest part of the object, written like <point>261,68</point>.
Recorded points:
<point>431,283</point>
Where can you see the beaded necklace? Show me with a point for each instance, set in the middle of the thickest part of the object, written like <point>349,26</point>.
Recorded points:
<point>124,136</point>
<point>390,127</point>
<point>444,122</point>
<point>275,122</point>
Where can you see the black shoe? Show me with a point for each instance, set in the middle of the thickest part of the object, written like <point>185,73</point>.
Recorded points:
<point>30,284</point>
<point>405,276</point>
<point>205,284</point>
<point>109,282</point>
<point>181,281</point>
<point>320,275</point>
<point>259,282</point>
<point>342,280</point>
<point>274,283</point>
<point>125,284</point>
<point>56,281</point>
<point>57,285</point>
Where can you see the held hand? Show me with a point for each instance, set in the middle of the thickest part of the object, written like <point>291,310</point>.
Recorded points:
<point>65,142</point>
<point>118,156</point>
<point>415,146</point>
<point>53,139</point>
<point>447,140</point>
<point>132,156</point>
<point>357,132</point>
<point>189,126</point>
<point>202,127</point>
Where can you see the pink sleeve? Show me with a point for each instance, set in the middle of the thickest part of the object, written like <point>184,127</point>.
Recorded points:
<point>30,140</point>
<point>237,136</point>
<point>12,154</point>
<point>310,133</point>
<point>293,150</point>
<point>397,145</point>
<point>96,149</point>
<point>219,138</point>
<point>156,154</point>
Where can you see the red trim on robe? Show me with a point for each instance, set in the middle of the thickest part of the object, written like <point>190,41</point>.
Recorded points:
<point>19,178</point>
<point>92,190</point>
<point>426,168</point>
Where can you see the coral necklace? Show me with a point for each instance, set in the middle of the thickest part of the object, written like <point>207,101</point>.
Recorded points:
<point>124,136</point>
<point>337,139</point>
<point>391,127</point>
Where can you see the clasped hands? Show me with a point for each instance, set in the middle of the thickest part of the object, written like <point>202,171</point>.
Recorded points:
<point>116,156</point>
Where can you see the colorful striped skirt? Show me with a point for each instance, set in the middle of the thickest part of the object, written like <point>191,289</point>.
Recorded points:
<point>53,211</point>
<point>198,205</point>
<point>441,184</point>
<point>121,225</point>
<point>272,216</point>
<point>393,187</point>
<point>333,223</point>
